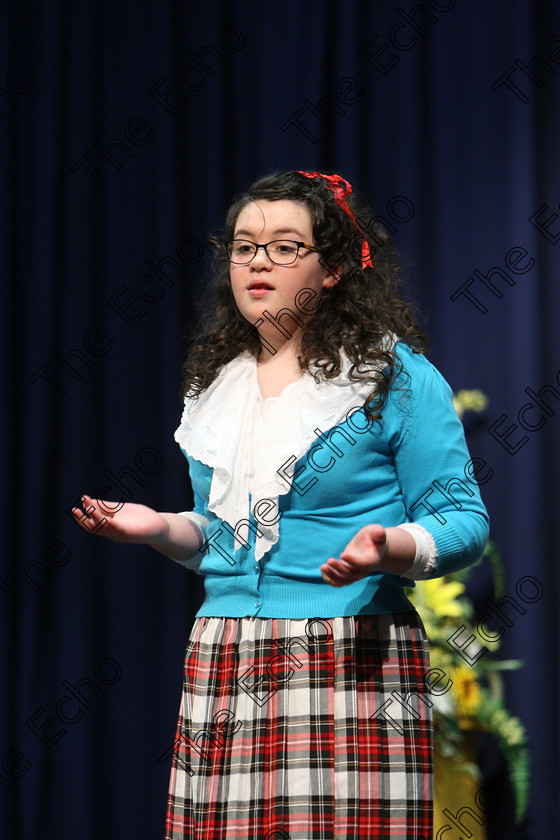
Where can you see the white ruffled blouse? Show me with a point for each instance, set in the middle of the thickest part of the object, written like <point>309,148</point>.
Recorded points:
<point>246,439</point>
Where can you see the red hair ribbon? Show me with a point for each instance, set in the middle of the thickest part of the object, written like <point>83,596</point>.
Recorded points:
<point>339,187</point>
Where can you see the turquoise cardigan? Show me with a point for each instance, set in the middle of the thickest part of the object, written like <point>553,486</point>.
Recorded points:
<point>412,465</point>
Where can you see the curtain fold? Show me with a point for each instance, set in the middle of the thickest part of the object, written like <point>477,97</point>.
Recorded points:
<point>125,130</point>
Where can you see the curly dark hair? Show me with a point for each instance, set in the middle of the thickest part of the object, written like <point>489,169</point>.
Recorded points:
<point>355,314</point>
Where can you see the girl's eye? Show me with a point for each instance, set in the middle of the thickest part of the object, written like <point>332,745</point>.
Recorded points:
<point>284,248</point>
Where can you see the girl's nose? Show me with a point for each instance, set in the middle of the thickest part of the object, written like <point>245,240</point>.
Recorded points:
<point>261,258</point>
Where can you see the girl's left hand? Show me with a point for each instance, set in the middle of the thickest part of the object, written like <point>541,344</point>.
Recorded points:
<point>363,555</point>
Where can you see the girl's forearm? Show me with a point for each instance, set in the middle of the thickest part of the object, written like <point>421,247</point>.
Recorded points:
<point>181,539</point>
<point>401,550</point>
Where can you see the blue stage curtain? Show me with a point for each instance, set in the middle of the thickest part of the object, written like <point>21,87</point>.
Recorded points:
<point>125,129</point>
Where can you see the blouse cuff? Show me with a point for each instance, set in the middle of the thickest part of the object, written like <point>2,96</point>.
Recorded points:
<point>425,559</point>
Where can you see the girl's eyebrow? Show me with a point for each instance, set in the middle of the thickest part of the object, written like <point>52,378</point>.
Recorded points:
<point>277,230</point>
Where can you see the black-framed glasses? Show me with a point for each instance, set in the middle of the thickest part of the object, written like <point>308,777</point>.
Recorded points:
<point>279,251</point>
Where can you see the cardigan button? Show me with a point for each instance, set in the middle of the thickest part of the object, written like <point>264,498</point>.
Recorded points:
<point>257,605</point>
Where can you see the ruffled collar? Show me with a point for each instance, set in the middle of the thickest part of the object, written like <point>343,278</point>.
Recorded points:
<point>216,430</point>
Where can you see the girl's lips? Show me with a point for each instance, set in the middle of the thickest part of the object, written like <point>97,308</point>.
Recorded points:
<point>259,291</point>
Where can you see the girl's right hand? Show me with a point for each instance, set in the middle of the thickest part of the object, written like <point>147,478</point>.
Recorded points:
<point>121,522</point>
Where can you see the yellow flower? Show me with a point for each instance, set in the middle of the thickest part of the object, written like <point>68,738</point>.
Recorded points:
<point>473,400</point>
<point>466,691</point>
<point>440,596</point>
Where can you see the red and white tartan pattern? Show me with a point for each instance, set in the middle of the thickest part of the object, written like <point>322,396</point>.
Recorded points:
<point>292,730</point>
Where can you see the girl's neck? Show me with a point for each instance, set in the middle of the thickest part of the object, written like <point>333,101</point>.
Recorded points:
<point>276,372</point>
<point>285,355</point>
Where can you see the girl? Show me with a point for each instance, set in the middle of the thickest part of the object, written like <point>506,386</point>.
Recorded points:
<point>329,471</point>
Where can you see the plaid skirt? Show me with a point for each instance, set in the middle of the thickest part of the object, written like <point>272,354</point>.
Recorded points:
<point>316,729</point>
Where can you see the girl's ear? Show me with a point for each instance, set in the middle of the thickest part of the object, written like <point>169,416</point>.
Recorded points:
<point>329,280</point>
<point>331,275</point>
<point>331,270</point>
